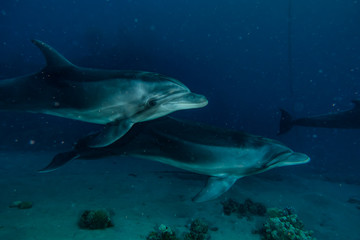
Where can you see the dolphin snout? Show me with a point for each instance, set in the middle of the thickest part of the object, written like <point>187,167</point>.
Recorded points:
<point>288,159</point>
<point>188,101</point>
<point>196,99</point>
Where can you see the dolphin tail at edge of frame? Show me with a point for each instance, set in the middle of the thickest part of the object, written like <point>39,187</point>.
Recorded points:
<point>59,160</point>
<point>214,188</point>
<point>286,122</point>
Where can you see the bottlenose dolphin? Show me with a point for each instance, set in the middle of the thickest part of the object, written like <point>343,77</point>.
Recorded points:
<point>116,98</point>
<point>344,119</point>
<point>224,155</point>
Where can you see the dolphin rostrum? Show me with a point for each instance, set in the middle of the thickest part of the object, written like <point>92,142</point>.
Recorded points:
<point>345,119</point>
<point>224,155</point>
<point>115,98</point>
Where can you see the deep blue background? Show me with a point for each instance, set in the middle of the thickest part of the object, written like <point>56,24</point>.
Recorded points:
<point>234,52</point>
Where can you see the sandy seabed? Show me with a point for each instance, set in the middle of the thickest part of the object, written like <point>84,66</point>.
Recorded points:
<point>144,194</point>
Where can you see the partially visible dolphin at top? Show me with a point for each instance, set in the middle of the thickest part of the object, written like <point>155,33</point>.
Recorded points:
<point>349,119</point>
<point>116,98</point>
<point>224,155</point>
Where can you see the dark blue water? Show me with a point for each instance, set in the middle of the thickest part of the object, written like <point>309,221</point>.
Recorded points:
<point>234,52</point>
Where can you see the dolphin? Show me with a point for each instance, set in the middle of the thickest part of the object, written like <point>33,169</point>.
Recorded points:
<point>224,155</point>
<point>115,98</point>
<point>349,119</point>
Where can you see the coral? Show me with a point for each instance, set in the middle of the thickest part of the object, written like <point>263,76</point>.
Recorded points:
<point>198,226</point>
<point>21,204</point>
<point>95,219</point>
<point>254,208</point>
<point>230,206</point>
<point>356,201</point>
<point>198,231</point>
<point>163,233</point>
<point>246,209</point>
<point>283,224</point>
<point>25,205</point>
<point>165,229</point>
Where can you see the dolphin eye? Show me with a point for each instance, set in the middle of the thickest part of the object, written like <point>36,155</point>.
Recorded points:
<point>152,102</point>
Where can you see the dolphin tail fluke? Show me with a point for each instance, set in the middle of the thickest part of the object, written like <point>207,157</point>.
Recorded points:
<point>214,188</point>
<point>286,122</point>
<point>59,160</point>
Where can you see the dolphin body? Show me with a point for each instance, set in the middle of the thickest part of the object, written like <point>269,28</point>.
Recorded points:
<point>115,98</point>
<point>348,119</point>
<point>224,155</point>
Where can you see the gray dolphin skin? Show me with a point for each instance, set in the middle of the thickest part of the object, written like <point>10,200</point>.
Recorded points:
<point>349,119</point>
<point>116,98</point>
<point>224,155</point>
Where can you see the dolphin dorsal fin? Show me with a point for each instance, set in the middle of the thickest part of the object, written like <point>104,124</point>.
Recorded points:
<point>356,103</point>
<point>53,58</point>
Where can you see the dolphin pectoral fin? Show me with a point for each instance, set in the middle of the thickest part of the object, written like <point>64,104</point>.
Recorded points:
<point>59,160</point>
<point>214,188</point>
<point>112,132</point>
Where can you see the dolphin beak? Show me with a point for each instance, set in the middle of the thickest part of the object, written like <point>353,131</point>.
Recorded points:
<point>297,158</point>
<point>288,159</point>
<point>188,100</point>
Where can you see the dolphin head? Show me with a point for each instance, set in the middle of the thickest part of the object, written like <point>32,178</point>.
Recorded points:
<point>166,95</point>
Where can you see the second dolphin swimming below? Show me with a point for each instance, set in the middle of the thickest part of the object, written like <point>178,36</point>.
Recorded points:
<point>222,154</point>
<point>116,98</point>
